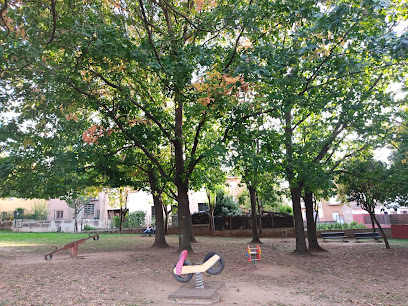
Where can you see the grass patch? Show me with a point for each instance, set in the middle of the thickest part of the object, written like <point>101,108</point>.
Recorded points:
<point>398,242</point>
<point>34,243</point>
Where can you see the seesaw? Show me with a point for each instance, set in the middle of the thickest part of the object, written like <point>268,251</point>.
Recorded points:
<point>73,247</point>
<point>213,264</point>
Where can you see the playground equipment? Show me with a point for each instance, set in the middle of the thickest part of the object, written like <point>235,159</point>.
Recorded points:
<point>253,254</point>
<point>183,271</point>
<point>72,246</point>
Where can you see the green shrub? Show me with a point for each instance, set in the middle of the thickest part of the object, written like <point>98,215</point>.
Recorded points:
<point>334,226</point>
<point>87,227</point>
<point>133,219</point>
<point>286,209</point>
<point>225,205</point>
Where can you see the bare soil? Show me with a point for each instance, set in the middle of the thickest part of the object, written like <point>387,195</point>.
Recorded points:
<point>349,273</point>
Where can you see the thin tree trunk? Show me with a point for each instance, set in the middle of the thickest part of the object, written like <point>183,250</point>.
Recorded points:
<point>311,225</point>
<point>166,220</point>
<point>211,206</point>
<point>259,215</point>
<point>121,218</point>
<point>371,213</point>
<point>255,235</point>
<point>387,245</point>
<point>159,237</point>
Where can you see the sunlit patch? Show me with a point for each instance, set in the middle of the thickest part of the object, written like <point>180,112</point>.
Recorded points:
<point>14,244</point>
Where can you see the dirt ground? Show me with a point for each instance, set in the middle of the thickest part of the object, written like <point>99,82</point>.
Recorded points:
<point>349,273</point>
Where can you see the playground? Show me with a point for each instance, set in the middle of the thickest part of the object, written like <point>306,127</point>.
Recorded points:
<point>124,270</point>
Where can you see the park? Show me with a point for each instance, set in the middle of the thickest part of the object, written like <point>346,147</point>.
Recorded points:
<point>123,269</point>
<point>285,117</point>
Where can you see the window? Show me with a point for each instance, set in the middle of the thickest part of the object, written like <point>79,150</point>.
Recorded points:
<point>59,214</point>
<point>336,216</point>
<point>153,211</point>
<point>89,209</point>
<point>202,207</point>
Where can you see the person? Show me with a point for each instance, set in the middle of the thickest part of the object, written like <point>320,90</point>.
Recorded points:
<point>148,230</point>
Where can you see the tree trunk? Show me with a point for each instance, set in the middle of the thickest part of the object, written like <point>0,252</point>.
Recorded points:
<point>387,245</point>
<point>295,188</point>
<point>211,206</point>
<point>159,237</point>
<point>166,220</point>
<point>311,225</point>
<point>252,194</point>
<point>301,247</point>
<point>121,219</point>
<point>181,181</point>
<point>372,217</point>
<point>259,215</point>
<point>185,230</point>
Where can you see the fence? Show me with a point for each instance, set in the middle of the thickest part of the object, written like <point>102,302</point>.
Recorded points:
<point>269,220</point>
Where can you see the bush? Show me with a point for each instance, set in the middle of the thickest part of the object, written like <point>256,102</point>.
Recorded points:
<point>87,227</point>
<point>225,205</point>
<point>333,226</point>
<point>133,219</point>
<point>286,209</point>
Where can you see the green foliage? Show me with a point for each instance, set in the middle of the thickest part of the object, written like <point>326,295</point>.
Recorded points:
<point>133,219</point>
<point>87,227</point>
<point>39,209</point>
<point>363,181</point>
<point>285,209</point>
<point>332,226</point>
<point>225,205</point>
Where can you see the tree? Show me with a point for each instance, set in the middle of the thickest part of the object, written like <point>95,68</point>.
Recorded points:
<point>77,203</point>
<point>118,198</point>
<point>316,71</point>
<point>131,64</point>
<point>363,182</point>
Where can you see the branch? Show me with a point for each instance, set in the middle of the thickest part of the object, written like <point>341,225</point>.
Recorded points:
<point>316,70</point>
<point>350,74</point>
<point>137,104</point>
<point>2,10</point>
<point>234,52</point>
<point>149,34</point>
<point>337,130</point>
<point>347,156</point>
<point>199,127</point>
<point>244,118</point>
<point>121,127</point>
<point>54,21</point>
<point>185,18</point>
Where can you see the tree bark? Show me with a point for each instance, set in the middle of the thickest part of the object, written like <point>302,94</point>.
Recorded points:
<point>259,215</point>
<point>181,181</point>
<point>159,237</point>
<point>211,206</point>
<point>387,245</point>
<point>295,187</point>
<point>301,247</point>
<point>255,235</point>
<point>311,225</point>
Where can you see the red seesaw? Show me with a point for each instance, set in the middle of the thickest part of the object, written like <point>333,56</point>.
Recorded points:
<point>72,246</point>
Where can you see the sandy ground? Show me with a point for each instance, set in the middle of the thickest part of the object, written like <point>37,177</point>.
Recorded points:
<point>348,274</point>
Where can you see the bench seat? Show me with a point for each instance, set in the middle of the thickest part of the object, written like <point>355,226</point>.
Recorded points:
<point>334,235</point>
<point>368,235</point>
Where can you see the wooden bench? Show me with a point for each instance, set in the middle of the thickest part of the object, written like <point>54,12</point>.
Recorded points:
<point>368,235</point>
<point>334,235</point>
